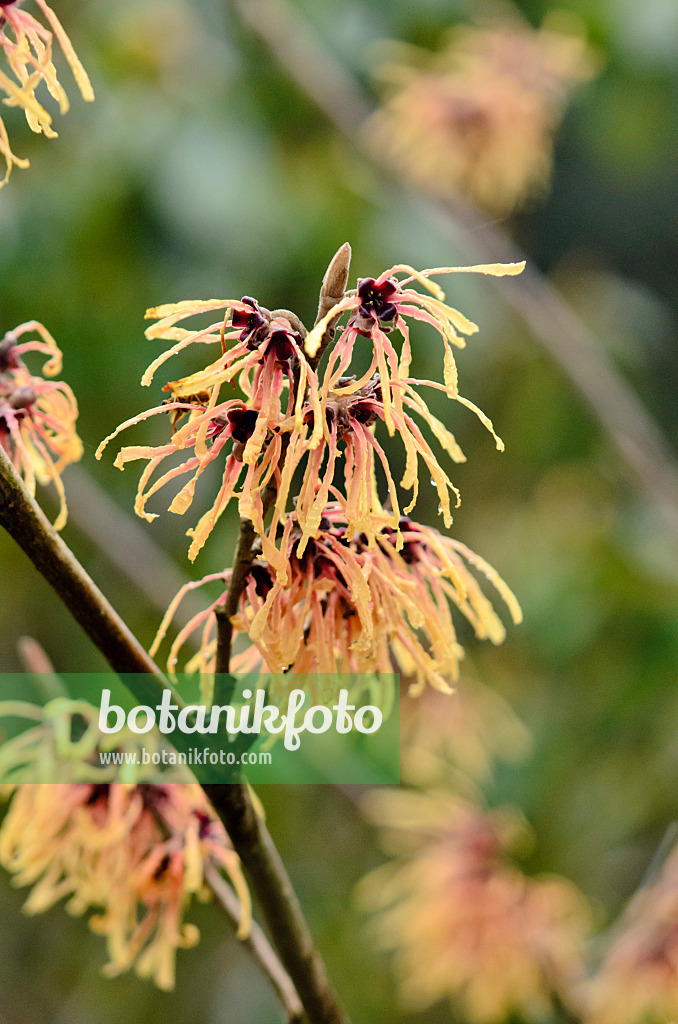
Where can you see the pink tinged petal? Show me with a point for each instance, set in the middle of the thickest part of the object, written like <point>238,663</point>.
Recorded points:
<point>406,350</point>
<point>369,440</point>
<point>174,604</point>
<point>315,494</point>
<point>55,478</point>
<point>446,439</point>
<point>314,337</point>
<point>495,579</point>
<point>186,338</point>
<point>139,418</point>
<point>53,366</point>
<point>485,420</point>
<point>184,498</point>
<point>207,522</point>
<point>493,269</point>
<point>140,451</point>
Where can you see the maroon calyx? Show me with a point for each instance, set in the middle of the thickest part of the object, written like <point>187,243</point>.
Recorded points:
<point>242,423</point>
<point>253,322</point>
<point>376,300</point>
<point>280,343</point>
<point>263,581</point>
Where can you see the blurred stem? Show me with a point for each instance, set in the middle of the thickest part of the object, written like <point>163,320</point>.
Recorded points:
<point>260,948</point>
<point>27,524</point>
<point>126,544</point>
<point>328,85</point>
<point>278,902</point>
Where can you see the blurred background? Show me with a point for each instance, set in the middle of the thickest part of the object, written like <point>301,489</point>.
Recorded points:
<point>203,171</point>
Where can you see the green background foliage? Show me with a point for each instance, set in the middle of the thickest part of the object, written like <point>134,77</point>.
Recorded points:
<point>202,172</point>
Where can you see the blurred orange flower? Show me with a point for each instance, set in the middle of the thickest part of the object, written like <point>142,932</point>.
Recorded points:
<point>478,118</point>
<point>462,921</point>
<point>638,978</point>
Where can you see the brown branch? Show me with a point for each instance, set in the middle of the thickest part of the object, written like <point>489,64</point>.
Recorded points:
<point>278,902</point>
<point>241,567</point>
<point>27,524</point>
<point>251,840</point>
<point>635,434</point>
<point>260,949</point>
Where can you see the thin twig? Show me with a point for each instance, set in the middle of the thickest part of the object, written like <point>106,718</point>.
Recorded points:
<point>635,434</point>
<point>248,833</point>
<point>278,902</point>
<point>241,567</point>
<point>259,947</point>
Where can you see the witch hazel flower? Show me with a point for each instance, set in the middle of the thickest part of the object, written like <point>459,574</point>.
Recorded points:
<point>637,979</point>
<point>266,362</point>
<point>37,416</point>
<point>134,854</point>
<point>348,604</point>
<point>479,117</point>
<point>379,306</point>
<point>28,48</point>
<point>462,920</point>
<point>351,417</point>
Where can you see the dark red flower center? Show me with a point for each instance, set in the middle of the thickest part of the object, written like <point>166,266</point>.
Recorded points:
<point>251,321</point>
<point>280,343</point>
<point>376,300</point>
<point>242,423</point>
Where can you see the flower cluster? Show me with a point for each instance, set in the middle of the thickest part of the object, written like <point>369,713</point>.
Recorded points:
<point>28,50</point>
<point>270,369</point>
<point>338,581</point>
<point>479,117</point>
<point>37,416</point>
<point>288,414</point>
<point>134,854</point>
<point>462,920</point>
<point>349,603</point>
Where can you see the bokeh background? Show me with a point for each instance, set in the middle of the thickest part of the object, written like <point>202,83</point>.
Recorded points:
<point>202,171</point>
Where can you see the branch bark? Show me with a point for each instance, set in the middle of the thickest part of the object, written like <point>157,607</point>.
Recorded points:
<point>30,528</point>
<point>260,949</point>
<point>27,524</point>
<point>278,902</point>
